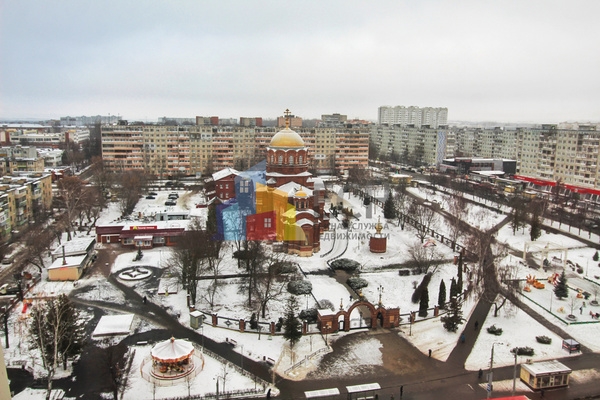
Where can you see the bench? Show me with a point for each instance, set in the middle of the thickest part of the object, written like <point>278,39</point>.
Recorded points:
<point>232,342</point>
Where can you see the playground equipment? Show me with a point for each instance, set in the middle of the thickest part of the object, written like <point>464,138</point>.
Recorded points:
<point>531,280</point>
<point>553,279</point>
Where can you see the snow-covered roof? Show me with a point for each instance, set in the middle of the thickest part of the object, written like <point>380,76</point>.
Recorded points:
<point>73,261</point>
<point>292,187</point>
<point>546,367</point>
<point>172,350</point>
<point>277,174</point>
<point>74,246</point>
<point>365,387</point>
<point>224,173</point>
<point>114,325</point>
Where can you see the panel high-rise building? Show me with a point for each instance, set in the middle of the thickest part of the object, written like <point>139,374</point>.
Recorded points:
<point>415,116</point>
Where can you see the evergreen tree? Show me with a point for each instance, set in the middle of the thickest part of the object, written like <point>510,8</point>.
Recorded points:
<point>292,328</point>
<point>389,209</point>
<point>535,230</point>
<point>442,295</point>
<point>424,303</point>
<point>453,318</point>
<point>561,290</point>
<point>596,257</point>
<point>453,288</point>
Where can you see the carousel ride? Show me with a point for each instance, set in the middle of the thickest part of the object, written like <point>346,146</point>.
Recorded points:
<point>173,359</point>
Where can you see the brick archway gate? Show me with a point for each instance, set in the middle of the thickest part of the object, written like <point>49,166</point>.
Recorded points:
<point>379,316</point>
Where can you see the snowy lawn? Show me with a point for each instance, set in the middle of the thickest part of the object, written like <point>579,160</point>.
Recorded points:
<point>518,330</point>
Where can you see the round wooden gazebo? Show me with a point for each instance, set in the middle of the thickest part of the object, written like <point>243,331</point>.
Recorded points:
<point>172,359</point>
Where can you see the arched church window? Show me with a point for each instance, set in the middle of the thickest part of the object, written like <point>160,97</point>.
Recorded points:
<point>299,159</point>
<point>291,160</point>
<point>280,160</point>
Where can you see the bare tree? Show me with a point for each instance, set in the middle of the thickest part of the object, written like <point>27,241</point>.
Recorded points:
<point>271,278</point>
<point>130,189</point>
<point>57,333</point>
<point>71,195</point>
<point>101,177</point>
<point>38,240</point>
<point>113,363</point>
<point>458,210</point>
<point>196,253</point>
<point>425,219</point>
<point>252,257</point>
<point>401,203</point>
<point>422,258</point>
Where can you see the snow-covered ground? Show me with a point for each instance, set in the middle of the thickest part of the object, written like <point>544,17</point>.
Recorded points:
<point>382,280</point>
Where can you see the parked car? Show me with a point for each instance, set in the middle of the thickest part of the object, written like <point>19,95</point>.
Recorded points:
<point>170,203</point>
<point>150,197</point>
<point>173,195</point>
<point>152,194</point>
<point>7,260</point>
<point>9,289</point>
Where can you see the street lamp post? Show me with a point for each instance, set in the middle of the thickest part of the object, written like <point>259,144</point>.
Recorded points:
<point>491,373</point>
<point>514,373</point>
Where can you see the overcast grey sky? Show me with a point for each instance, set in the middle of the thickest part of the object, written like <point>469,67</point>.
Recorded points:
<point>511,61</point>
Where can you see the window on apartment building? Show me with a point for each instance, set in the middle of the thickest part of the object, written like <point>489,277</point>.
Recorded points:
<point>267,222</point>
<point>227,186</point>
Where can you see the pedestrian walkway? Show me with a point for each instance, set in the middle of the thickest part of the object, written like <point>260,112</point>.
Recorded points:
<point>461,351</point>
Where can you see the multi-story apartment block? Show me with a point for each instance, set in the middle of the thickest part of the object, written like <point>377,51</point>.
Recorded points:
<point>21,197</point>
<point>333,120</point>
<point>193,150</point>
<point>20,158</point>
<point>416,146</point>
<point>404,116</point>
<point>549,153</point>
<point>246,121</point>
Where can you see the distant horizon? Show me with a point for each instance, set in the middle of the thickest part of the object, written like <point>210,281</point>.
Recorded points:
<point>155,120</point>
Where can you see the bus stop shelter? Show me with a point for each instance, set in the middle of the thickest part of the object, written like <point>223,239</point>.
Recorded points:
<point>322,393</point>
<point>366,391</point>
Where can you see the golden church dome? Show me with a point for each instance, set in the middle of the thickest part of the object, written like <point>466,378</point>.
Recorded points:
<point>300,193</point>
<point>287,138</point>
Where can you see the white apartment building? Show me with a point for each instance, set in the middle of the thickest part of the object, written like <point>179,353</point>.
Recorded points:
<point>193,150</point>
<point>410,145</point>
<point>568,153</point>
<point>404,116</point>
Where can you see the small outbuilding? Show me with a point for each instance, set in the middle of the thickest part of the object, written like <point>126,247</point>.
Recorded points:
<point>545,375</point>
<point>572,346</point>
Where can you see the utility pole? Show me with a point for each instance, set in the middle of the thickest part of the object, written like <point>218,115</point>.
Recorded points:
<point>514,372</point>
<point>490,386</point>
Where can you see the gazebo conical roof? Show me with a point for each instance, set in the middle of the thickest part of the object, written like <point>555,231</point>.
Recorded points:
<point>172,350</point>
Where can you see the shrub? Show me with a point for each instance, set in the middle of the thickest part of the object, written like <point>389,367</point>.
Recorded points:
<point>299,287</point>
<point>494,331</point>
<point>404,272</point>
<point>357,283</point>
<point>327,304</point>
<point>416,296</point>
<point>309,315</point>
<point>345,264</point>
<point>543,339</point>
<point>523,351</point>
